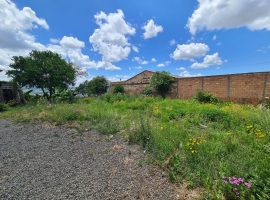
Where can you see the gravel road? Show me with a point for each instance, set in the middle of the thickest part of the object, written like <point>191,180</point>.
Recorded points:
<point>41,161</point>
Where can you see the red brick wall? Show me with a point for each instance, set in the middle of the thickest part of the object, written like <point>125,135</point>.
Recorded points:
<point>241,88</point>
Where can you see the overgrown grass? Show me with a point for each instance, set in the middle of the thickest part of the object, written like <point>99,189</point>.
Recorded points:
<point>203,144</point>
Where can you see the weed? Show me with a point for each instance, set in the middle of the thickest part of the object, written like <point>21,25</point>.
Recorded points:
<point>140,163</point>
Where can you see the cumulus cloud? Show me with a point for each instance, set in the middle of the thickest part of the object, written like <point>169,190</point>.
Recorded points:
<point>186,73</point>
<point>214,37</point>
<point>71,49</point>
<point>181,68</point>
<point>153,60</point>
<point>15,33</point>
<point>189,51</point>
<point>161,65</point>
<point>151,30</point>
<point>136,49</point>
<point>110,38</point>
<point>137,59</point>
<point>166,63</point>
<point>139,67</point>
<point>15,25</point>
<point>208,61</point>
<point>218,14</point>
<point>118,78</point>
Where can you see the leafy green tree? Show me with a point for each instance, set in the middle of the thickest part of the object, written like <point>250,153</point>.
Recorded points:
<point>118,88</point>
<point>82,88</point>
<point>162,82</point>
<point>97,86</point>
<point>44,70</point>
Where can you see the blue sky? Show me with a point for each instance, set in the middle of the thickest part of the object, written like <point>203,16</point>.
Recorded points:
<point>121,38</point>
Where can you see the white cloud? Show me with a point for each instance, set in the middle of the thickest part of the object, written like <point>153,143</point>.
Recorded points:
<point>181,68</point>
<point>151,30</point>
<point>161,65</point>
<point>208,61</point>
<point>55,41</point>
<point>71,49</point>
<point>189,51</point>
<point>15,33</point>
<point>166,63</point>
<point>110,38</point>
<point>136,49</point>
<point>218,14</point>
<point>15,26</point>
<point>172,42</point>
<point>137,59</point>
<point>214,37</point>
<point>118,78</point>
<point>139,67</point>
<point>218,44</point>
<point>144,62</point>
<point>187,74</point>
<point>153,60</point>
<point>71,42</point>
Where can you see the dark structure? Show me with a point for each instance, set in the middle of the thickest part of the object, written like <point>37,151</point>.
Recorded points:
<point>8,92</point>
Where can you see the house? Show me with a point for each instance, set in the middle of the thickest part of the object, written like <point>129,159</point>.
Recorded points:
<point>8,91</point>
<point>137,83</point>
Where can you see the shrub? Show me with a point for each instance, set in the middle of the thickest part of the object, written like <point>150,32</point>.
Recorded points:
<point>13,103</point>
<point>3,107</point>
<point>162,82</point>
<point>147,91</point>
<point>118,88</point>
<point>205,97</point>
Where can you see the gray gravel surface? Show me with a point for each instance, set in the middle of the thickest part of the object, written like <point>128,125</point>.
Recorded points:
<point>40,161</point>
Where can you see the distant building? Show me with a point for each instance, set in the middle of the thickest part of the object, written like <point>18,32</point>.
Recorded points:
<point>8,91</point>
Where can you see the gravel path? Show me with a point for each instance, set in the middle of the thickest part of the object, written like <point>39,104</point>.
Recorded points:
<point>40,161</point>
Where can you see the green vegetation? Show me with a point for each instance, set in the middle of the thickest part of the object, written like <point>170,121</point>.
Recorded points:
<point>97,86</point>
<point>118,88</point>
<point>44,70</point>
<point>162,82</point>
<point>223,148</point>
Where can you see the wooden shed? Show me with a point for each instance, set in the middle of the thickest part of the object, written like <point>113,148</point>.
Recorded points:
<point>8,91</point>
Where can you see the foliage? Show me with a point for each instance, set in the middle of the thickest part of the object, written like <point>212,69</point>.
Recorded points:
<point>64,95</point>
<point>97,86</point>
<point>118,88</point>
<point>13,103</point>
<point>162,82</point>
<point>42,69</point>
<point>82,88</point>
<point>205,97</point>
<point>196,143</point>
<point>3,107</point>
<point>147,91</point>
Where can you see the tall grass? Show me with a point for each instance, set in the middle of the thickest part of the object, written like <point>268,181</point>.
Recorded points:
<point>198,143</point>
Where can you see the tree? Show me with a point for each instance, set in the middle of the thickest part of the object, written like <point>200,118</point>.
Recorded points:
<point>82,88</point>
<point>162,82</point>
<point>118,88</point>
<point>44,70</point>
<point>97,86</point>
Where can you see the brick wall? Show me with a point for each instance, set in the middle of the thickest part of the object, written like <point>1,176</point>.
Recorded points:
<point>241,88</point>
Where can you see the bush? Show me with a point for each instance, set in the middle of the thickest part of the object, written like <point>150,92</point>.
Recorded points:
<point>118,88</point>
<point>205,97</point>
<point>3,107</point>
<point>13,103</point>
<point>147,91</point>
